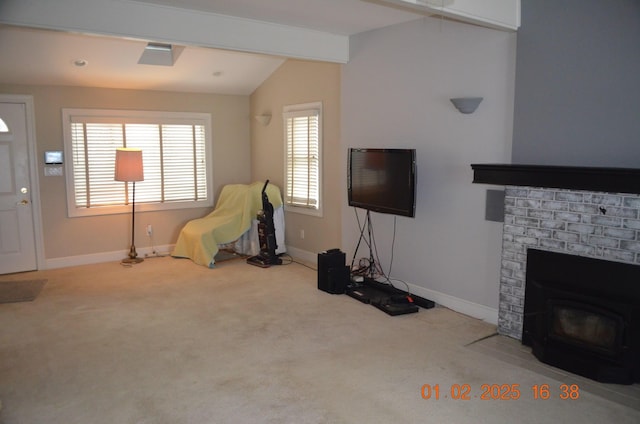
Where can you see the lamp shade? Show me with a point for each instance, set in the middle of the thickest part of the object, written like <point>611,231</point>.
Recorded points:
<point>129,165</point>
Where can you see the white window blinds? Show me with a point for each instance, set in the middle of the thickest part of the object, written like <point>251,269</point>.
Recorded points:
<point>303,156</point>
<point>174,152</point>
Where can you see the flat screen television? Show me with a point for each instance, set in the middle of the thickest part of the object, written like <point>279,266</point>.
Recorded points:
<point>382,180</point>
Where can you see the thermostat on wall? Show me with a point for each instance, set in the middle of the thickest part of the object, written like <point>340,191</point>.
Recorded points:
<point>53,157</point>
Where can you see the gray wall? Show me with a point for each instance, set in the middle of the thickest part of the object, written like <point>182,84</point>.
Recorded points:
<point>395,93</point>
<point>577,99</point>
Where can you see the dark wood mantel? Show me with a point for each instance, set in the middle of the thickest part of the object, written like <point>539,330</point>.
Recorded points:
<point>611,180</point>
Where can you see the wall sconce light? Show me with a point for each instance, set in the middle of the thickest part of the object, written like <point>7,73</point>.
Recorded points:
<point>466,105</point>
<point>263,119</point>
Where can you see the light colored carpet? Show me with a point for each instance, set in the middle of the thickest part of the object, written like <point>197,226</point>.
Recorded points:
<point>514,352</point>
<point>167,341</point>
<point>20,290</point>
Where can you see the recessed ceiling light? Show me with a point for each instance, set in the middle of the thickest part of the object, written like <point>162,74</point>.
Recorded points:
<point>80,63</point>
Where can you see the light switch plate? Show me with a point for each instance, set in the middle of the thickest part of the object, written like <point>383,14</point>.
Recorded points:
<point>53,171</point>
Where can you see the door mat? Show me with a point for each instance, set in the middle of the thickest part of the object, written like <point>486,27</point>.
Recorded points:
<point>20,291</point>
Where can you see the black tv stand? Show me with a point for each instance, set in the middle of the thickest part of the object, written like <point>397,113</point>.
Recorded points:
<point>383,296</point>
<point>387,298</point>
<point>393,291</point>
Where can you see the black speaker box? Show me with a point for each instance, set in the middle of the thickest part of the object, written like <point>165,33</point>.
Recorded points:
<point>338,280</point>
<point>332,259</point>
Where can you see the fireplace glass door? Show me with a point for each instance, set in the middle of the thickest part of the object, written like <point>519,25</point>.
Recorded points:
<point>585,326</point>
<point>583,315</point>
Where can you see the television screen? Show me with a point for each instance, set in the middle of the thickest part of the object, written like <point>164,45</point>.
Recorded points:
<point>382,180</point>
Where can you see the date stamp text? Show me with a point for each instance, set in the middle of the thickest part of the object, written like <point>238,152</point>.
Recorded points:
<point>499,392</point>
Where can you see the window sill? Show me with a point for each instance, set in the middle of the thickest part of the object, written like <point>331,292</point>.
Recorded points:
<point>140,207</point>
<point>303,211</point>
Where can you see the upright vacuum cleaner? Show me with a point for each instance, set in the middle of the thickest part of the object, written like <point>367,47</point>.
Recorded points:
<point>266,235</point>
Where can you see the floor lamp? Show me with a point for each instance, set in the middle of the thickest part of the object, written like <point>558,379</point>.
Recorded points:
<point>129,169</point>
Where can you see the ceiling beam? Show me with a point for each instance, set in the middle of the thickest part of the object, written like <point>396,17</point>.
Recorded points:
<point>123,18</point>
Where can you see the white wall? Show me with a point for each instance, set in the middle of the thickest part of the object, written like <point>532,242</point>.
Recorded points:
<point>395,93</point>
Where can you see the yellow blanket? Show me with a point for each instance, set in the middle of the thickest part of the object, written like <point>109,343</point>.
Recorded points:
<point>237,206</point>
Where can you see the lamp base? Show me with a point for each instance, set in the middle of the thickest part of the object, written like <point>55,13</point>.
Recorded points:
<point>133,257</point>
<point>132,260</point>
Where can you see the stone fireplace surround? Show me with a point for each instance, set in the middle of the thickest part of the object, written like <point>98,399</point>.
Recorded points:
<point>592,212</point>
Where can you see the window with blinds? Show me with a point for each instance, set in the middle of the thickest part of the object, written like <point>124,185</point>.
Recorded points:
<point>175,154</point>
<point>303,162</point>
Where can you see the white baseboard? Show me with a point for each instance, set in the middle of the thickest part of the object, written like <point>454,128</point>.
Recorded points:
<point>303,255</point>
<point>463,306</point>
<point>95,258</point>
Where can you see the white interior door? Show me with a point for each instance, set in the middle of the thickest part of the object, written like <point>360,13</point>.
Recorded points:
<point>17,234</point>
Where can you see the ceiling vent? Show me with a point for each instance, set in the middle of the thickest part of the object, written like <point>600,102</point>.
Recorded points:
<point>160,54</point>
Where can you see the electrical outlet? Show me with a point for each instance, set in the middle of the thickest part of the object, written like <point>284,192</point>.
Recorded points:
<point>149,230</point>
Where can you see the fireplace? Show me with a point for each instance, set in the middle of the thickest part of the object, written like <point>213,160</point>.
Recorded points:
<point>585,214</point>
<point>583,315</point>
